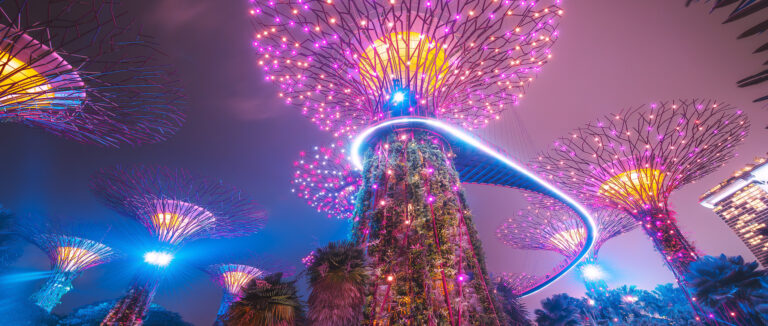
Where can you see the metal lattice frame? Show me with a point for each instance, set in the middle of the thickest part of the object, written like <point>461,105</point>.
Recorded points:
<point>667,145</point>
<point>342,61</point>
<point>70,256</point>
<point>73,254</point>
<point>82,71</point>
<point>232,277</point>
<point>547,224</point>
<point>325,178</point>
<point>176,206</point>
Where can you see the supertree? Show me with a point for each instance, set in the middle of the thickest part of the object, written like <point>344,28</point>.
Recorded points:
<point>358,66</point>
<point>175,207</point>
<point>70,256</point>
<point>548,225</point>
<point>232,278</point>
<point>326,179</point>
<point>81,70</point>
<point>632,161</point>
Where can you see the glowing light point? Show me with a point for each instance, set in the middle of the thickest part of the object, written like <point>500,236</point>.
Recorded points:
<point>398,97</point>
<point>592,272</point>
<point>158,258</point>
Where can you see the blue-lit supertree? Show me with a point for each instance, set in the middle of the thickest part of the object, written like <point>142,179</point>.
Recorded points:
<point>175,207</point>
<point>548,225</point>
<point>81,70</point>
<point>325,178</point>
<point>353,65</point>
<point>70,256</point>
<point>231,278</point>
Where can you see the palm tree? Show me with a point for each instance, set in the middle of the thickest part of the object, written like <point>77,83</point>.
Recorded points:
<point>337,277</point>
<point>267,302</point>
<point>514,310</point>
<point>747,8</point>
<point>668,303</point>
<point>560,310</point>
<point>727,284</point>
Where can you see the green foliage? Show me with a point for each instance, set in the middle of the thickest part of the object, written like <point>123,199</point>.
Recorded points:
<point>337,277</point>
<point>93,314</point>
<point>267,302</point>
<point>412,216</point>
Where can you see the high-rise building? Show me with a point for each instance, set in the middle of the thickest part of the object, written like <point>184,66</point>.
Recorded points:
<point>742,202</point>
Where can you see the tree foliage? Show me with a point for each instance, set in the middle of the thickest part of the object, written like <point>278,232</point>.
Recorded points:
<point>93,314</point>
<point>338,278</point>
<point>270,301</point>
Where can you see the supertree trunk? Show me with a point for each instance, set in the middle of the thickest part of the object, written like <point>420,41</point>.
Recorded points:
<point>427,264</point>
<point>660,225</point>
<point>57,285</point>
<point>132,308</point>
<point>226,302</point>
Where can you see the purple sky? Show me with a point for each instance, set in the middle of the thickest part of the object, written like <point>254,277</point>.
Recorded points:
<point>611,54</point>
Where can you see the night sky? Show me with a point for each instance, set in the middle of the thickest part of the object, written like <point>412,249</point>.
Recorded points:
<point>611,54</point>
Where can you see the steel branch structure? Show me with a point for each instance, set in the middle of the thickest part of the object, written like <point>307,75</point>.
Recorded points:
<point>79,70</point>
<point>232,278</point>
<point>387,69</point>
<point>70,256</point>
<point>326,179</point>
<point>175,207</point>
<point>632,161</point>
<point>349,64</point>
<point>549,225</point>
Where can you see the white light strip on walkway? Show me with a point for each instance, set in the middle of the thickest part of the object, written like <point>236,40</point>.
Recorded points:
<point>356,158</point>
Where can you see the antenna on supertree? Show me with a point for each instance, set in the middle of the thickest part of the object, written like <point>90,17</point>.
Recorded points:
<point>175,207</point>
<point>325,178</point>
<point>77,70</point>
<point>354,67</point>
<point>232,278</point>
<point>632,161</point>
<point>70,256</point>
<point>549,225</point>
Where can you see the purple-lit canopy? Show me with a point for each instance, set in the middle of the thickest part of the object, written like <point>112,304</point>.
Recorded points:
<point>82,71</point>
<point>633,160</point>
<point>232,277</point>
<point>73,254</point>
<point>325,178</point>
<point>549,225</point>
<point>176,206</point>
<point>349,64</point>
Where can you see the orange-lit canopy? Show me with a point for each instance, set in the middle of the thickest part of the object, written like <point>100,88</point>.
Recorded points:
<point>640,184</point>
<point>410,57</point>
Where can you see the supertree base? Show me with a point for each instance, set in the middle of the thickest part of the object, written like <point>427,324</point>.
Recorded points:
<point>427,264</point>
<point>132,308</point>
<point>54,288</point>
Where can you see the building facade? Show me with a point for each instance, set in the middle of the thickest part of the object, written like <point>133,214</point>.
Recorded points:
<point>742,202</point>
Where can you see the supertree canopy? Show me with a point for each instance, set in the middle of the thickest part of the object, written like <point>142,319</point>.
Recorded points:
<point>232,278</point>
<point>353,66</point>
<point>80,70</point>
<point>70,256</point>
<point>632,161</point>
<point>326,179</point>
<point>548,225</point>
<point>350,63</point>
<point>175,207</point>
